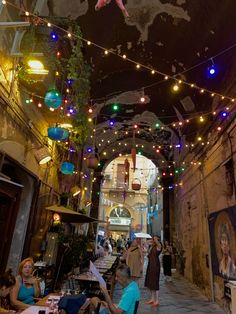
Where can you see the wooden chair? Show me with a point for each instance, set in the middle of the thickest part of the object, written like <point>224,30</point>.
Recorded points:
<point>88,308</point>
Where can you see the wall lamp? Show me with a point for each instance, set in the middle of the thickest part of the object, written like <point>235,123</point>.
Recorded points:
<point>36,67</point>
<point>75,190</point>
<point>42,155</point>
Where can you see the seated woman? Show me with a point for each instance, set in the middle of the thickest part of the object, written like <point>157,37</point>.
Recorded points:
<point>7,281</point>
<point>26,287</point>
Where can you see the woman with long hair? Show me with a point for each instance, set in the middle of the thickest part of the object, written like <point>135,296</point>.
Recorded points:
<point>153,271</point>
<point>26,287</point>
<point>7,282</point>
<point>166,261</point>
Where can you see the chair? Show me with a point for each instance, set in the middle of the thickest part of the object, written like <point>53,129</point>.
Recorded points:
<point>90,307</point>
<point>136,307</point>
<point>72,303</point>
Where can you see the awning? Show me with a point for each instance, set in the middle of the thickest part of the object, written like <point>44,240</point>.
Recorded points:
<point>68,215</point>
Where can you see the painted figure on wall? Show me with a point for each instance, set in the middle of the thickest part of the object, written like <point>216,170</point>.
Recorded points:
<point>223,242</point>
<point>227,266</point>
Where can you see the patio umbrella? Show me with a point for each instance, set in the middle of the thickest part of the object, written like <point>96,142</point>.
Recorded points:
<point>142,235</point>
<point>71,216</point>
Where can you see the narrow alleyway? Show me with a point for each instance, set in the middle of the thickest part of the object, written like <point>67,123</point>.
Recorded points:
<point>176,297</point>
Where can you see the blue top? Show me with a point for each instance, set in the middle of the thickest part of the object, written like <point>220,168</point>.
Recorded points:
<point>130,295</point>
<point>26,295</point>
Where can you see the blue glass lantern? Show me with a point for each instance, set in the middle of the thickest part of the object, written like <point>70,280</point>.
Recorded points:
<point>67,168</point>
<point>56,134</point>
<point>53,99</point>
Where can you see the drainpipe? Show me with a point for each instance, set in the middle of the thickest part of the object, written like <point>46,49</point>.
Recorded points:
<point>206,214</point>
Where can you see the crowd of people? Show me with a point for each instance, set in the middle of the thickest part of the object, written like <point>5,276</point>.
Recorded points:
<point>132,256</point>
<point>24,289</point>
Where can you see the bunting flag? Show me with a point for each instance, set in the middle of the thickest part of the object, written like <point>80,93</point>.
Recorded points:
<point>141,222</point>
<point>133,155</point>
<point>126,178</point>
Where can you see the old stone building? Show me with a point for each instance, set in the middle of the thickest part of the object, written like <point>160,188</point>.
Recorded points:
<point>157,80</point>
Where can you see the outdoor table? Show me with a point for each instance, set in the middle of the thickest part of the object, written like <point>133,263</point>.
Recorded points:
<point>86,277</point>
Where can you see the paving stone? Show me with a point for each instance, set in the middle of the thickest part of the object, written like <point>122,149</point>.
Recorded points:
<point>176,297</point>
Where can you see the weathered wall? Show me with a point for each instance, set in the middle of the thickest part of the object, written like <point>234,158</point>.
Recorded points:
<point>204,191</point>
<point>22,130</point>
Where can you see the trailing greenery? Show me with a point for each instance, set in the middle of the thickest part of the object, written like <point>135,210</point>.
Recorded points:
<point>31,42</point>
<point>79,73</point>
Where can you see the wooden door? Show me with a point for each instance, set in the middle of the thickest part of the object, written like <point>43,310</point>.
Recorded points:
<point>9,206</point>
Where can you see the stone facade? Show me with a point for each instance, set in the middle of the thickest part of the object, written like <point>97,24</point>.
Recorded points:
<point>207,188</point>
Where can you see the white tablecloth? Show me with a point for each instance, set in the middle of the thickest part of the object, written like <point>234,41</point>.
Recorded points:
<point>34,309</point>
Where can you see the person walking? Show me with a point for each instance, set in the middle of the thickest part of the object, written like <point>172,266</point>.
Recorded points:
<point>135,260</point>
<point>166,261</point>
<point>153,271</point>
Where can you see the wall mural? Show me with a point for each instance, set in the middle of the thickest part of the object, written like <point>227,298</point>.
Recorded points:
<point>222,226</point>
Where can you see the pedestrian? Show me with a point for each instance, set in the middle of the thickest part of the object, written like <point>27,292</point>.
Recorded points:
<point>118,245</point>
<point>153,271</point>
<point>130,295</point>
<point>135,260</point>
<point>167,252</point>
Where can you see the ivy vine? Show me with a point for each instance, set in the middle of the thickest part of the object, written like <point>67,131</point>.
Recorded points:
<point>79,73</point>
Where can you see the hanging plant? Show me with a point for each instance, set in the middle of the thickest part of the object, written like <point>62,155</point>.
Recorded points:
<point>33,42</point>
<point>79,74</point>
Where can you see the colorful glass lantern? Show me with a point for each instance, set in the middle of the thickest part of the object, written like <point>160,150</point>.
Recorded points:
<point>56,134</point>
<point>67,167</point>
<point>53,99</point>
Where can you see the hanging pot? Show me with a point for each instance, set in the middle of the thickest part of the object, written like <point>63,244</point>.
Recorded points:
<point>92,162</point>
<point>56,134</point>
<point>67,168</point>
<point>136,184</point>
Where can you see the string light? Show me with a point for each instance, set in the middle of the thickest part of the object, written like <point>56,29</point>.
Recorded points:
<point>54,36</point>
<point>133,61</point>
<point>142,99</point>
<point>175,87</point>
<point>165,76</point>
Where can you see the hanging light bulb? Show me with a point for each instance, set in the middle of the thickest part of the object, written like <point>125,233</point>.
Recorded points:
<point>175,87</point>
<point>211,69</point>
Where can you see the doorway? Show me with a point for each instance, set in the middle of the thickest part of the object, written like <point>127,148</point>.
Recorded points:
<point>10,194</point>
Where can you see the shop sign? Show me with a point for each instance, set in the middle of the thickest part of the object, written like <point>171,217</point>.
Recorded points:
<point>120,221</point>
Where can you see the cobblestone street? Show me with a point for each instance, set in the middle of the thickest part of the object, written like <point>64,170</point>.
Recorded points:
<point>176,297</point>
